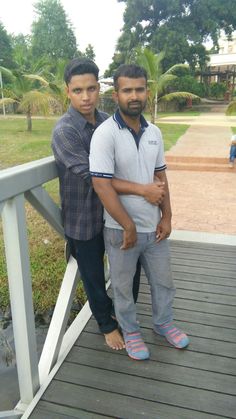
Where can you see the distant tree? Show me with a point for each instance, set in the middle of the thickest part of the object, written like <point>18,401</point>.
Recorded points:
<point>217,90</point>
<point>52,32</point>
<point>21,45</point>
<point>186,82</point>
<point>125,51</point>
<point>177,27</point>
<point>6,52</point>
<point>89,52</point>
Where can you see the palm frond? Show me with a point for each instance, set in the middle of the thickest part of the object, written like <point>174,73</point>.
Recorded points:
<point>231,109</point>
<point>7,101</point>
<point>38,102</point>
<point>7,72</point>
<point>177,95</point>
<point>56,89</point>
<point>175,67</point>
<point>36,77</point>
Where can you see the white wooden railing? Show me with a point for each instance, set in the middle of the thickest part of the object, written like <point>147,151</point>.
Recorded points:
<point>17,184</point>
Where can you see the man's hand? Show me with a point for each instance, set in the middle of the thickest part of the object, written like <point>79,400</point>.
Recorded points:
<point>163,229</point>
<point>129,237</point>
<point>154,192</point>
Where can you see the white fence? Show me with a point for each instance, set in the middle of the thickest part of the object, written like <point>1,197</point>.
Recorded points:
<point>17,184</point>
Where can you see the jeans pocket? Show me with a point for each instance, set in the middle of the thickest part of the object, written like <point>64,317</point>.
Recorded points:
<point>113,237</point>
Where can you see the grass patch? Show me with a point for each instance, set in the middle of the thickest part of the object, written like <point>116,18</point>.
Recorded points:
<point>233,130</point>
<point>187,113</point>
<point>47,260</point>
<point>18,146</point>
<point>171,133</point>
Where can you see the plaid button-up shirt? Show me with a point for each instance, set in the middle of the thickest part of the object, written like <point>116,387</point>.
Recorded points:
<point>82,211</point>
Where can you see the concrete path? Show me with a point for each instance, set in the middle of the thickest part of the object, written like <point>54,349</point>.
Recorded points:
<point>208,136</point>
<point>202,185</point>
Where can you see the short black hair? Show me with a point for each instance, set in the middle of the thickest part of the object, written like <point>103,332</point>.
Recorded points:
<point>132,71</point>
<point>80,66</point>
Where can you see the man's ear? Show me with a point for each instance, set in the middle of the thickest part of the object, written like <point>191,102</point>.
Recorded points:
<point>114,96</point>
<point>67,90</point>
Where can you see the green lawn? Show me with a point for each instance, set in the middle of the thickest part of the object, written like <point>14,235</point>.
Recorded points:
<point>171,133</point>
<point>184,114</point>
<point>18,146</point>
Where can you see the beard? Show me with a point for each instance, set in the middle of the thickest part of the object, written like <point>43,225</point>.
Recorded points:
<point>134,108</point>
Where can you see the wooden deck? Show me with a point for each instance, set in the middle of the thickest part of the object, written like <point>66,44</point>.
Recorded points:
<point>196,383</point>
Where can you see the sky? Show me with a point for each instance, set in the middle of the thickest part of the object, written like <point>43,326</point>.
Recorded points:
<point>95,22</point>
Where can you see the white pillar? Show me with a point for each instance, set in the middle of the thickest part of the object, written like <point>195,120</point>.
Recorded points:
<point>18,267</point>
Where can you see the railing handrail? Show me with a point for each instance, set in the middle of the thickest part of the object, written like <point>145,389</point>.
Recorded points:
<point>19,179</point>
<point>16,184</point>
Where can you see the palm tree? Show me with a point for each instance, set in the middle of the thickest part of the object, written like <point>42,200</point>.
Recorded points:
<point>158,81</point>
<point>31,93</point>
<point>57,86</point>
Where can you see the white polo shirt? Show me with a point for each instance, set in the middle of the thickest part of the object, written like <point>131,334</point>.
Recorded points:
<point>114,153</point>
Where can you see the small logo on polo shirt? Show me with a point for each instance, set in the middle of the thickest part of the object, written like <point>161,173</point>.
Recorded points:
<point>152,142</point>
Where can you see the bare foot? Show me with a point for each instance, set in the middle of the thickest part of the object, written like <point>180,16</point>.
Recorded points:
<point>114,340</point>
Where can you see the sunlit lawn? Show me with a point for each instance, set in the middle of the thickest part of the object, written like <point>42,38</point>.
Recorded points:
<point>18,146</point>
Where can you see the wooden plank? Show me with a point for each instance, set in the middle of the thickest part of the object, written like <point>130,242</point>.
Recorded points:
<point>189,295</point>
<point>207,265</point>
<point>197,344</point>
<point>201,330</point>
<point>222,261</point>
<point>142,388</point>
<point>162,352</point>
<point>198,382</point>
<point>208,279</point>
<point>203,271</point>
<point>191,305</point>
<point>116,405</point>
<point>197,253</point>
<point>202,306</point>
<point>200,287</point>
<point>194,317</point>
<point>203,246</point>
<point>46,410</point>
<point>192,377</point>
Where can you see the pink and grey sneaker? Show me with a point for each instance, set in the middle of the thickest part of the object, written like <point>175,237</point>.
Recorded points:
<point>135,346</point>
<point>173,335</point>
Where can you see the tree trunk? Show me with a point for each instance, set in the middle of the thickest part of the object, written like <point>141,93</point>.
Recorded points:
<point>29,120</point>
<point>155,108</point>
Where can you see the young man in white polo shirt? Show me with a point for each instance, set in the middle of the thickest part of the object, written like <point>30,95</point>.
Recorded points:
<point>128,147</point>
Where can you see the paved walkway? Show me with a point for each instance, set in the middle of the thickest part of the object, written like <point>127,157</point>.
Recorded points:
<point>203,199</point>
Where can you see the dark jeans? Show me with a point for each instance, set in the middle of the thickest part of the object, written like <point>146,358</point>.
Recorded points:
<point>90,259</point>
<point>232,154</point>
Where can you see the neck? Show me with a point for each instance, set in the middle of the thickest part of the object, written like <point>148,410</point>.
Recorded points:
<point>90,118</point>
<point>132,121</point>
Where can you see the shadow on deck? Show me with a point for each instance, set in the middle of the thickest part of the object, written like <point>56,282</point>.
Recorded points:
<point>196,383</point>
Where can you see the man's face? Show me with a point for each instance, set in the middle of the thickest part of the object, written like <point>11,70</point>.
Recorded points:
<point>131,95</point>
<point>83,91</point>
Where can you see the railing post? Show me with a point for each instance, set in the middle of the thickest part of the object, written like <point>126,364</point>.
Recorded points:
<point>18,266</point>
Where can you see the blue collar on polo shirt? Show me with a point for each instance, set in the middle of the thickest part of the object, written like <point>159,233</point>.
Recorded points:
<point>121,124</point>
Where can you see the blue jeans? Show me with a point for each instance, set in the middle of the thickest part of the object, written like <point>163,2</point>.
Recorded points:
<point>232,154</point>
<point>90,259</point>
<point>155,259</point>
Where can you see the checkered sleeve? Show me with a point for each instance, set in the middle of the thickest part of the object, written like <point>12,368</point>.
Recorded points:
<point>69,149</point>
